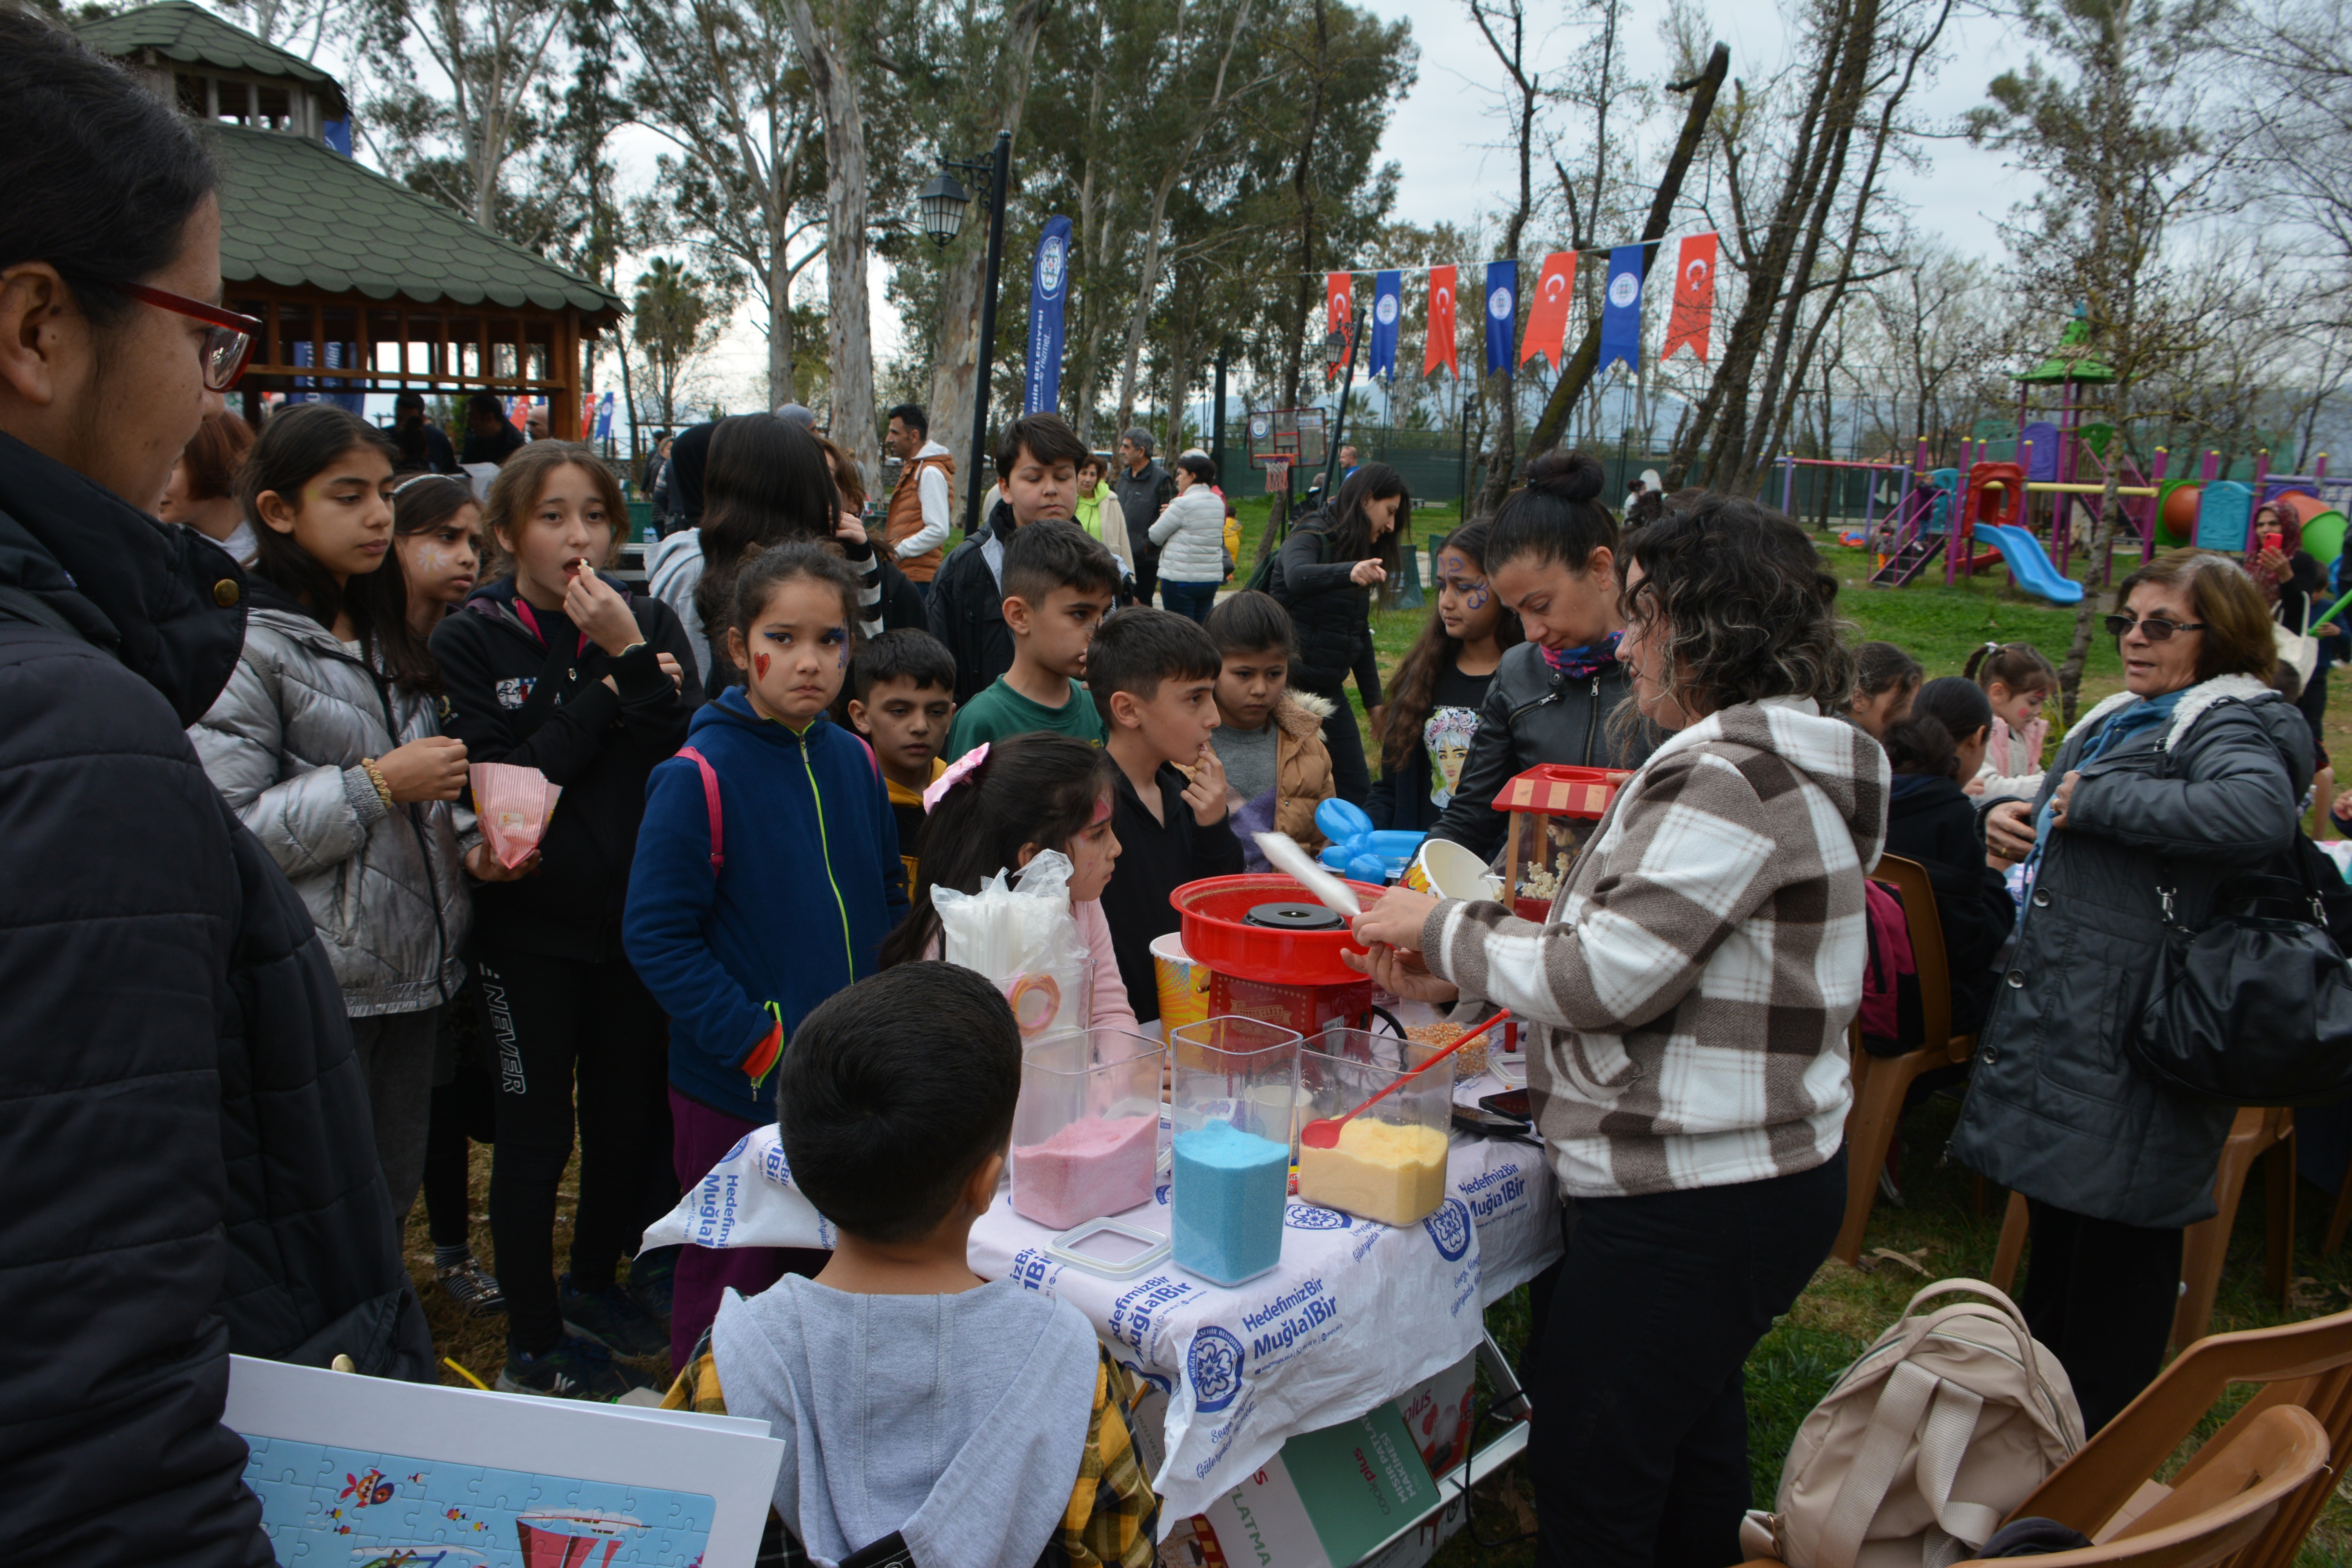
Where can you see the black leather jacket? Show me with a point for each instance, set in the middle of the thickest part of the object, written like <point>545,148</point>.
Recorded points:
<point>1531,716</point>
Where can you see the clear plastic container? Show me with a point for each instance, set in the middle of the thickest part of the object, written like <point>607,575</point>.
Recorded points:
<point>1086,1133</point>
<point>1389,1165</point>
<point>1234,1104</point>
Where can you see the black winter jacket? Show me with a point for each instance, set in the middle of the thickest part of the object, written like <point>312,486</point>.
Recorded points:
<point>1934,822</point>
<point>512,698</point>
<point>184,1136</point>
<point>1141,495</point>
<point>1533,715</point>
<point>968,606</point>
<point>1331,616</point>
<point>2055,1109</point>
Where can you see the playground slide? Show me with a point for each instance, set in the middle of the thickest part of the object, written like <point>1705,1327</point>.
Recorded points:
<point>2028,566</point>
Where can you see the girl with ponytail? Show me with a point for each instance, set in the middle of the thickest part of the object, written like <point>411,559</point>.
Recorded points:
<point>1551,559</point>
<point>2017,679</point>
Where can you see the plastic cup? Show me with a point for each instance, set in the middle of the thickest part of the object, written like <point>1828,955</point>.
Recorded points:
<point>1389,1165</point>
<point>1234,1104</point>
<point>1086,1132</point>
<point>1184,984</point>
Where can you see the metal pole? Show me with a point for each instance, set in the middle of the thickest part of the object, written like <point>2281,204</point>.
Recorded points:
<point>1339,425</point>
<point>999,178</point>
<point>1217,420</point>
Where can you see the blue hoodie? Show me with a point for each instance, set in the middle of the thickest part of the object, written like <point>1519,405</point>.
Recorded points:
<point>810,884</point>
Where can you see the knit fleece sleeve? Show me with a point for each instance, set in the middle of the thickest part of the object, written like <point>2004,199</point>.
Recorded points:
<point>1689,862</point>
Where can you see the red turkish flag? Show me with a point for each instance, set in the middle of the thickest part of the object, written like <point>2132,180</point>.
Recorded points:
<point>1694,315</point>
<point>1547,308</point>
<point>1440,322</point>
<point>1339,311</point>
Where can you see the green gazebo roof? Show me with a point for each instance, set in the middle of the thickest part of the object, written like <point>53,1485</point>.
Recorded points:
<point>180,31</point>
<point>2068,362</point>
<point>294,211</point>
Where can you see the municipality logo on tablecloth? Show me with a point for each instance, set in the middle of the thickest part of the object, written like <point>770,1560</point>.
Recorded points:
<point>1314,1217</point>
<point>1449,1229</point>
<point>1212,1365</point>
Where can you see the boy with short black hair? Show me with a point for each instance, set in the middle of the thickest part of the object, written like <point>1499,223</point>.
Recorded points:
<point>1269,736</point>
<point>926,1414</point>
<point>1154,675</point>
<point>1059,582</point>
<point>901,697</point>
<point>1037,462</point>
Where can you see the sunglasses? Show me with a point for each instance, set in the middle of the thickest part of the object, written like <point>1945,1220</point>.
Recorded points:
<point>227,346</point>
<point>2154,629</point>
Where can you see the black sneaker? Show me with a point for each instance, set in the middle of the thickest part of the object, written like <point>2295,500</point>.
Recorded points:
<point>572,1369</point>
<point>651,1277</point>
<point>611,1318</point>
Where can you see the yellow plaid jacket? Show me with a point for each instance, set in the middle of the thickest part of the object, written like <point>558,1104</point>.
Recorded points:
<point>1112,1511</point>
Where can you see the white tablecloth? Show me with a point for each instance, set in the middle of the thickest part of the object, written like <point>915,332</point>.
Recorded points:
<point>1355,1314</point>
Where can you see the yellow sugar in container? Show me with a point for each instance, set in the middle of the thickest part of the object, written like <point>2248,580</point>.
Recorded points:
<point>1391,1172</point>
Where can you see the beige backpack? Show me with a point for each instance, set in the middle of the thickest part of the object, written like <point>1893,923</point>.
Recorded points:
<point>1926,1443</point>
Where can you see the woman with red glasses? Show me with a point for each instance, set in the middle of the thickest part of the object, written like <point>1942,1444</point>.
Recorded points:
<point>157,966</point>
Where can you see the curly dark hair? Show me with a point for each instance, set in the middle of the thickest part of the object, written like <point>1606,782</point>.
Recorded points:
<point>1752,610</point>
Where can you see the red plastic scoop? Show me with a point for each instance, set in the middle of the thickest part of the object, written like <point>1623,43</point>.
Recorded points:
<point>1324,1132</point>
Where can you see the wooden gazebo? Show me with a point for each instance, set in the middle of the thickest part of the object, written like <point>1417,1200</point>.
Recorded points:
<point>361,284</point>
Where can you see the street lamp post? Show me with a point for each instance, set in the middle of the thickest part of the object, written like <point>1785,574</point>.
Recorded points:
<point>941,204</point>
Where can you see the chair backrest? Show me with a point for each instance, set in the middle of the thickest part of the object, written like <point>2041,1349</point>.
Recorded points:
<point>1910,879</point>
<point>2224,1507</point>
<point>2306,1364</point>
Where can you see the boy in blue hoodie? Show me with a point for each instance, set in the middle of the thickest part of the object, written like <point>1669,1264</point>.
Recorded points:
<point>767,874</point>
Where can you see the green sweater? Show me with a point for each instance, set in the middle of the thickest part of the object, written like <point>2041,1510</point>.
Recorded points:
<point>999,711</point>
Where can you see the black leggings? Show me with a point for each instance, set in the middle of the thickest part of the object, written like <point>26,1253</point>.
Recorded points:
<point>465,1112</point>
<point>553,1021</point>
<point>1638,1448</point>
<point>2102,1296</point>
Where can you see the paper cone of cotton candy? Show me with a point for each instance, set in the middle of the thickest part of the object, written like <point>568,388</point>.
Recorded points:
<point>513,804</point>
<point>1018,931</point>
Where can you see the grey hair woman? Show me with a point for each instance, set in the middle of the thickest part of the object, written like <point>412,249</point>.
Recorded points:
<point>1689,992</point>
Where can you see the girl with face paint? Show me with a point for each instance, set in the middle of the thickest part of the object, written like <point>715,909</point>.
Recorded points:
<point>1435,696</point>
<point>766,874</point>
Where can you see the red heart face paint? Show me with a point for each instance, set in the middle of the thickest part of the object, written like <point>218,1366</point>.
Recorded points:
<point>759,665</point>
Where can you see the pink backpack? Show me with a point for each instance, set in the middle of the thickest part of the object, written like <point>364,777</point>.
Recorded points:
<point>1890,961</point>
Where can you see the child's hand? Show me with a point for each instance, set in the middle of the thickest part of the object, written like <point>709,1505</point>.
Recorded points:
<point>1206,794</point>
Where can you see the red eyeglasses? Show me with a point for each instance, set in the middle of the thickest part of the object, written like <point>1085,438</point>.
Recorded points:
<point>226,347</point>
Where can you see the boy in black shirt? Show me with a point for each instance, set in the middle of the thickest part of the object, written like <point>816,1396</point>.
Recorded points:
<point>1153,675</point>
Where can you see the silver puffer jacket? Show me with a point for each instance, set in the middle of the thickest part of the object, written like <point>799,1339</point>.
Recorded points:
<point>282,743</point>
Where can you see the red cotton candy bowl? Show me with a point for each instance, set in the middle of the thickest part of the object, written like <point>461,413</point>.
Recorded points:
<point>1216,932</point>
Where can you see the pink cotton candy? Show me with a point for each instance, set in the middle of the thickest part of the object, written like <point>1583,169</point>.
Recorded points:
<point>1092,1167</point>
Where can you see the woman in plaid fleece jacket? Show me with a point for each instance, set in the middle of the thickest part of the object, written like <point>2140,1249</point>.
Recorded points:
<point>1691,989</point>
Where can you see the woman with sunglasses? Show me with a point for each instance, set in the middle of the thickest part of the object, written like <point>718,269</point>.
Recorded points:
<point>182,1095</point>
<point>2186,778</point>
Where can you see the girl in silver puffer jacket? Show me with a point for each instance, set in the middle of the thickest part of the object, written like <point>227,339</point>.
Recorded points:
<point>326,744</point>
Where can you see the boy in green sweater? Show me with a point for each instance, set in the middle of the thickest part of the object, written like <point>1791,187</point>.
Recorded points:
<point>1057,581</point>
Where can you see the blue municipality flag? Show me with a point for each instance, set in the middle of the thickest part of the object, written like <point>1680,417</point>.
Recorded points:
<point>1049,291</point>
<point>1620,317</point>
<point>605,416</point>
<point>1388,307</point>
<point>1502,314</point>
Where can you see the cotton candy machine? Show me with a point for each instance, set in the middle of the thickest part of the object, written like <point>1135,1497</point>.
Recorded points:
<point>1273,950</point>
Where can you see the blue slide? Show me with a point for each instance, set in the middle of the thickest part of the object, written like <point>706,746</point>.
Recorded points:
<point>2028,566</point>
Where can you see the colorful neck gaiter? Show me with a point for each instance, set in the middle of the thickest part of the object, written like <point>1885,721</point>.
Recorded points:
<point>1579,663</point>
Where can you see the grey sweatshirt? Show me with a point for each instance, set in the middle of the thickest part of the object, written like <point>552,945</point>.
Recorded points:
<point>958,1420</point>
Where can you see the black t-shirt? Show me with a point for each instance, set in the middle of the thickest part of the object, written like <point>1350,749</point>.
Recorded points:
<point>1453,722</point>
<point>1156,858</point>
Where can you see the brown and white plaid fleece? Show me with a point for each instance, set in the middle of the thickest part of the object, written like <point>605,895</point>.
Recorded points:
<point>1692,986</point>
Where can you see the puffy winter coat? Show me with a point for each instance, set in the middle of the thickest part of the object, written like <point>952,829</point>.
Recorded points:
<point>1190,538</point>
<point>181,1114</point>
<point>1533,714</point>
<point>2055,1109</point>
<point>1302,779</point>
<point>386,886</point>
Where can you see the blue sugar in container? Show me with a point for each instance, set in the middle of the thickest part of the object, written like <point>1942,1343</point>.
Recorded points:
<point>1226,1210</point>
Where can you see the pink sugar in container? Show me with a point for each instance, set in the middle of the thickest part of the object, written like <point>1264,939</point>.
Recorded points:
<point>1085,1132</point>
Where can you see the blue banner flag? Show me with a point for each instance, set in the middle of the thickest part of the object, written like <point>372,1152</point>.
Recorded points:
<point>605,416</point>
<point>1049,291</point>
<point>1388,307</point>
<point>1502,314</point>
<point>1620,317</point>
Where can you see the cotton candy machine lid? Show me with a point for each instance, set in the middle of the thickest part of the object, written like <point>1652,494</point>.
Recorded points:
<point>1218,931</point>
<point>1295,917</point>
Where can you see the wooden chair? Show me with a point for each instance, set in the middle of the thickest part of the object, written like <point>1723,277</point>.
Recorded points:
<point>2264,1133</point>
<point>2246,1482</point>
<point>1881,1083</point>
<point>2306,1365</point>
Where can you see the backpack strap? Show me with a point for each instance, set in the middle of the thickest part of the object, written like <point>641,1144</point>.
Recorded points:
<point>710,802</point>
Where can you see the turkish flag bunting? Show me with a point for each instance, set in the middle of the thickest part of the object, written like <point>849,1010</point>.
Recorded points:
<point>1694,315</point>
<point>1338,309</point>
<point>1441,323</point>
<point>1548,311</point>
